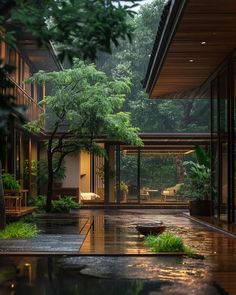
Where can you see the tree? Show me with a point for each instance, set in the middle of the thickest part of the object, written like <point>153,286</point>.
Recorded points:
<point>83,104</point>
<point>131,60</point>
<point>78,28</point>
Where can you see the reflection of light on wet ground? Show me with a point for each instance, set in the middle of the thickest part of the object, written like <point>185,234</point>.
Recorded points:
<point>106,275</point>
<point>115,233</point>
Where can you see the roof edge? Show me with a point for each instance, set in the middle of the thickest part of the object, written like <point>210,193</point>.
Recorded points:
<point>170,18</point>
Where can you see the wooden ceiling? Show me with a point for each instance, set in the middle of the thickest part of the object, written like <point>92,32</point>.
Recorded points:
<point>205,35</point>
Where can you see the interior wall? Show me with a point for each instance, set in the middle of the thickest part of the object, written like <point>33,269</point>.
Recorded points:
<point>72,172</point>
<point>84,172</point>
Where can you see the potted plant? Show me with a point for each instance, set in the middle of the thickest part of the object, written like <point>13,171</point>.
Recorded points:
<point>10,182</point>
<point>197,184</point>
<point>123,192</point>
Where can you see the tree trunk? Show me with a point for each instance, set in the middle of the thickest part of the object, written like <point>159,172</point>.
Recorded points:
<point>2,203</point>
<point>50,183</point>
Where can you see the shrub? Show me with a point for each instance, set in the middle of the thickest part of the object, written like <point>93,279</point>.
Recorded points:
<point>64,205</point>
<point>40,202</point>
<point>9,181</point>
<point>19,229</point>
<point>30,218</point>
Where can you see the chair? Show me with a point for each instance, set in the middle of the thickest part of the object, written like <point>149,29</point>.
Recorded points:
<point>144,194</point>
<point>170,193</point>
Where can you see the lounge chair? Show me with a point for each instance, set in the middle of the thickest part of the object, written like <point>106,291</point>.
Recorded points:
<point>170,193</point>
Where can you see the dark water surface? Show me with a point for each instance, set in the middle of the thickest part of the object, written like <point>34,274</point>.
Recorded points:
<point>102,275</point>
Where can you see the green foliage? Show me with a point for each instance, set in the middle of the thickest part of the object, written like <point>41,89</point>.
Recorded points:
<point>166,242</point>
<point>203,156</point>
<point>9,181</point>
<point>169,242</point>
<point>39,202</point>
<point>131,60</point>
<point>78,28</point>
<point>19,229</point>
<point>61,205</point>
<point>124,187</point>
<point>42,171</point>
<point>157,171</point>
<point>88,103</point>
<point>64,205</point>
<point>197,183</point>
<point>30,218</point>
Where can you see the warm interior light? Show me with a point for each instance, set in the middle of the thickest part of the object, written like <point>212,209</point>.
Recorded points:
<point>12,286</point>
<point>191,60</point>
<point>203,42</point>
<point>27,264</point>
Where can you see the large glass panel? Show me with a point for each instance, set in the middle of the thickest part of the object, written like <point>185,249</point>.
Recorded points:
<point>223,141</point>
<point>215,148</point>
<point>129,186</point>
<point>158,173</point>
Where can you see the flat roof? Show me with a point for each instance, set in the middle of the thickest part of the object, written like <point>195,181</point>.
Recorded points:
<point>193,39</point>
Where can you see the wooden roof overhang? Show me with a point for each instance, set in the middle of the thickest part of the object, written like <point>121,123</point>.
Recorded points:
<point>41,58</point>
<point>193,39</point>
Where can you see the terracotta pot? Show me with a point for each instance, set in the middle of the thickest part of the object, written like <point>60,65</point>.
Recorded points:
<point>201,208</point>
<point>123,197</point>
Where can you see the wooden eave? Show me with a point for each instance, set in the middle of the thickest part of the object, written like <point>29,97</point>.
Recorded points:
<point>196,38</point>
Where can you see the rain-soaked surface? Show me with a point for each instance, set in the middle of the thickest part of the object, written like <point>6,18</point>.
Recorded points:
<point>114,233</point>
<point>103,275</point>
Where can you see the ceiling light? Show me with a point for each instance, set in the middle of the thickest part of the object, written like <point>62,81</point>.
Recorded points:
<point>191,60</point>
<point>203,42</point>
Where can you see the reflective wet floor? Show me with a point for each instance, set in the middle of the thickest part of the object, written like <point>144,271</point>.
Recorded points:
<point>114,233</point>
<point>103,275</point>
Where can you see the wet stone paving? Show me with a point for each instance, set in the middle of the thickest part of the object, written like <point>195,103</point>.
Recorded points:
<point>128,270</point>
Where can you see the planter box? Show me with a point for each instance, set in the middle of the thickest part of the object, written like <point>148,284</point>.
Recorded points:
<point>201,208</point>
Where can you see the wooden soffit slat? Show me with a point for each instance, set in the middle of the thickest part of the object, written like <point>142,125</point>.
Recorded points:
<point>189,62</point>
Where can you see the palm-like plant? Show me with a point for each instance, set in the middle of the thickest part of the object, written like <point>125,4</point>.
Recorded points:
<point>198,180</point>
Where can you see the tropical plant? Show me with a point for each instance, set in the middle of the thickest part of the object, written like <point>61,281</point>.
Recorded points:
<point>197,184</point>
<point>10,182</point>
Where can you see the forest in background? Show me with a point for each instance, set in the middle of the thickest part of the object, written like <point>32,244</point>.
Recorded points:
<point>129,61</point>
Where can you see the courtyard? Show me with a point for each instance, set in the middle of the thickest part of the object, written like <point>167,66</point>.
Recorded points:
<point>113,256</point>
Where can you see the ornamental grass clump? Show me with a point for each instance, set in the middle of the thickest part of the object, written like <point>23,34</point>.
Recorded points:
<point>19,229</point>
<point>166,242</point>
<point>169,242</point>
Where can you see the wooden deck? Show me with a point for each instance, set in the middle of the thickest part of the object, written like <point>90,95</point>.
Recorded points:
<point>54,239</point>
<point>19,213</point>
<point>114,234</point>
<point>42,245</point>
